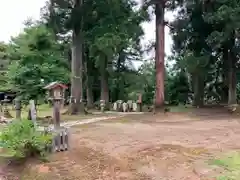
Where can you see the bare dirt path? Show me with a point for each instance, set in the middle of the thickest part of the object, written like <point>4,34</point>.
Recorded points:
<point>143,147</point>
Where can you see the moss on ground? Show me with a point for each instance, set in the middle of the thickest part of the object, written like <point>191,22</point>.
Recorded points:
<point>230,164</point>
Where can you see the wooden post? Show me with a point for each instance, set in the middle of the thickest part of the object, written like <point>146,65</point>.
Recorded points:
<point>18,108</point>
<point>56,112</point>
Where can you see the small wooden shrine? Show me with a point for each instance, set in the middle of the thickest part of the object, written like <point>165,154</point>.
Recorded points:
<point>56,90</point>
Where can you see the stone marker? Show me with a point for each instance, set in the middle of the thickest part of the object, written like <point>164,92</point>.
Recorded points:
<point>18,108</point>
<point>135,107</point>
<point>102,105</point>
<point>33,112</point>
<point>130,105</point>
<point>115,106</point>
<point>119,103</point>
<point>125,107</point>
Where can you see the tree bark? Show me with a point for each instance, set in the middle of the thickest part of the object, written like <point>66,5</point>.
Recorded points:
<point>198,89</point>
<point>77,67</point>
<point>104,81</point>
<point>120,81</point>
<point>224,94</point>
<point>232,90</point>
<point>89,81</point>
<point>159,53</point>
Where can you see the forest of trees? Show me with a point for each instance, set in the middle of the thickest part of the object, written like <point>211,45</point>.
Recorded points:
<point>92,45</point>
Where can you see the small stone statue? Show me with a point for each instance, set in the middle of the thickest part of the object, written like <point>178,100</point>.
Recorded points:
<point>102,105</point>
<point>130,105</point>
<point>125,107</point>
<point>119,105</point>
<point>115,106</point>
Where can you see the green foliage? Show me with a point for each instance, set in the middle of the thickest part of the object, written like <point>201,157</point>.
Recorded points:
<point>20,140</point>
<point>231,165</point>
<point>176,85</point>
<point>40,62</point>
<point>206,43</point>
<point>177,88</point>
<point>4,60</point>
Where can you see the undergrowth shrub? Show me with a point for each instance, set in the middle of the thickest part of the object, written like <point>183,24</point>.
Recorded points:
<point>20,140</point>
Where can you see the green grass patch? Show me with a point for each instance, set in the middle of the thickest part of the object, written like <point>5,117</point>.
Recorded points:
<point>180,108</point>
<point>231,165</point>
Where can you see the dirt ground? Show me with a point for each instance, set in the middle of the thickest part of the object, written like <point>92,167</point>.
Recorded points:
<point>172,146</point>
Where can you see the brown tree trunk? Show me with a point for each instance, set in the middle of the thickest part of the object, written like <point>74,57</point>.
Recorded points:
<point>198,90</point>
<point>232,90</point>
<point>120,81</point>
<point>77,67</point>
<point>89,83</point>
<point>159,53</point>
<point>104,81</point>
<point>224,95</point>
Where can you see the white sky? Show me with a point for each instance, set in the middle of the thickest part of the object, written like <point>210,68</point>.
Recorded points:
<point>14,12</point>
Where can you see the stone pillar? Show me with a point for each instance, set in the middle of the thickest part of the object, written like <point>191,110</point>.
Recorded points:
<point>6,113</point>
<point>18,108</point>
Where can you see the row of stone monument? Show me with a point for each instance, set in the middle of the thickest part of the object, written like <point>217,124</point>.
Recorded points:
<point>129,106</point>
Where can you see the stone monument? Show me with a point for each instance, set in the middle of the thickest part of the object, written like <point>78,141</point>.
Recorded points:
<point>102,105</point>
<point>18,108</point>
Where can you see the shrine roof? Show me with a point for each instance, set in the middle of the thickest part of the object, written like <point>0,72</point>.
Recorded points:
<point>55,84</point>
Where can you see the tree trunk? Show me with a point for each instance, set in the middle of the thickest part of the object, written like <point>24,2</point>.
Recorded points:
<point>104,81</point>
<point>159,53</point>
<point>89,81</point>
<point>198,90</point>
<point>232,91</point>
<point>224,94</point>
<point>120,81</point>
<point>77,67</point>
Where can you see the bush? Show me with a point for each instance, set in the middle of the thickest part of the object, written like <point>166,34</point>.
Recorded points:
<point>21,140</point>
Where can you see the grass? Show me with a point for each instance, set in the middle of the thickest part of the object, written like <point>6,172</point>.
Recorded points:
<point>180,108</point>
<point>231,165</point>
<point>45,110</point>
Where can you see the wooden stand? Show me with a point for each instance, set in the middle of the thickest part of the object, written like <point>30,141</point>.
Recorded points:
<point>60,141</point>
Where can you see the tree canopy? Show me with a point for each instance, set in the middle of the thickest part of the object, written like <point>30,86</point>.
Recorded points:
<point>92,45</point>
